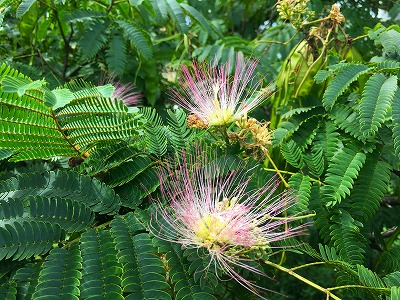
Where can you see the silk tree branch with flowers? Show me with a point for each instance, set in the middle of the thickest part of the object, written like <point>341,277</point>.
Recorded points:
<point>216,211</point>
<point>218,100</point>
<point>205,207</point>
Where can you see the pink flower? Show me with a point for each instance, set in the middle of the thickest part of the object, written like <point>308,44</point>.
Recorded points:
<point>126,93</point>
<point>217,97</point>
<point>122,91</point>
<point>214,211</point>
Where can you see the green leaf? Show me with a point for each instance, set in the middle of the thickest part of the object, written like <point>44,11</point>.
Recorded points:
<point>176,13</point>
<point>390,40</point>
<point>178,132</point>
<point>342,170</point>
<point>21,240</point>
<point>116,57</point>
<point>199,18</point>
<point>315,161</point>
<point>156,133</point>
<point>292,153</point>
<point>127,171</point>
<point>101,270</point>
<point>93,39</point>
<point>327,138</point>
<point>396,122</point>
<point>369,188</point>
<point>90,191</point>
<point>143,272</point>
<point>341,82</point>
<point>24,7</point>
<point>63,97</point>
<point>369,278</point>
<point>19,85</point>
<point>344,234</point>
<point>321,76</point>
<point>302,186</point>
<point>60,275</point>
<point>138,37</point>
<point>377,98</point>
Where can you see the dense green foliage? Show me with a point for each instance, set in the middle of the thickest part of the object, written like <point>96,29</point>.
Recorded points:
<point>79,167</point>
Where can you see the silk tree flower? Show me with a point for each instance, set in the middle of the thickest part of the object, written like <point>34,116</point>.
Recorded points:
<point>215,212</point>
<point>122,91</point>
<point>126,93</point>
<point>215,96</point>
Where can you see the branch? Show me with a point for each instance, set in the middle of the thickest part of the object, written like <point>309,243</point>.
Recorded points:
<point>328,293</point>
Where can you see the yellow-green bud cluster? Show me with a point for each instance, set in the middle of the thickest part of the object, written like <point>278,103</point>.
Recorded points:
<point>294,11</point>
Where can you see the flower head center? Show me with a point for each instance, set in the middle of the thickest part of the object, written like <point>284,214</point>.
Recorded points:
<point>212,230</point>
<point>215,229</point>
<point>222,113</point>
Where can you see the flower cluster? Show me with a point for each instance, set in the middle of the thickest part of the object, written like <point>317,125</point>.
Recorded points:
<point>214,210</point>
<point>294,11</point>
<point>216,97</point>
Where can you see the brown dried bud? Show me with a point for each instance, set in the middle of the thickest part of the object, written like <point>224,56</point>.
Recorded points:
<point>194,121</point>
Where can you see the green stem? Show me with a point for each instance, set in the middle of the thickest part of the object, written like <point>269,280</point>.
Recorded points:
<point>360,37</point>
<point>308,265</point>
<point>277,170</point>
<point>278,42</point>
<point>293,218</point>
<point>172,37</point>
<point>305,280</point>
<point>381,290</point>
<point>292,173</point>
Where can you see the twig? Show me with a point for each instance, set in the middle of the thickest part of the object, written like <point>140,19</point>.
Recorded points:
<point>326,291</point>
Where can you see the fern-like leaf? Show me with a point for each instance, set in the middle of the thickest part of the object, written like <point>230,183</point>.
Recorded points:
<point>345,236</point>
<point>93,39</point>
<point>69,214</point>
<point>373,281</point>
<point>176,13</point>
<point>369,188</point>
<point>143,274</point>
<point>27,279</point>
<point>346,119</point>
<point>116,55</point>
<point>377,98</point>
<point>184,285</point>
<point>315,161</point>
<point>302,186</point>
<point>32,129</point>
<point>156,138</point>
<point>141,186</point>
<point>90,191</point>
<point>107,156</point>
<point>327,138</point>
<point>396,122</point>
<point>341,82</point>
<point>200,19</point>
<point>25,239</point>
<point>138,37</point>
<point>127,171</point>
<point>80,15</point>
<point>389,260</point>
<point>390,40</point>
<point>178,132</point>
<point>342,171</point>
<point>101,271</point>
<point>392,279</point>
<point>292,153</point>
<point>60,275</point>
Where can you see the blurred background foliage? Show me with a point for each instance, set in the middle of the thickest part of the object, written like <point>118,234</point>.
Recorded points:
<point>145,41</point>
